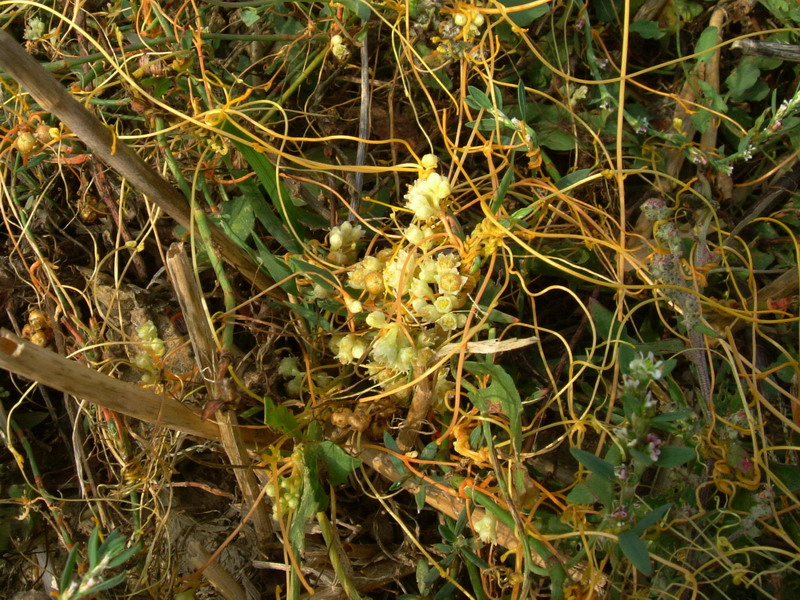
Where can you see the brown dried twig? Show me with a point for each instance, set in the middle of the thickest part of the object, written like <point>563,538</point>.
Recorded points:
<point>54,98</point>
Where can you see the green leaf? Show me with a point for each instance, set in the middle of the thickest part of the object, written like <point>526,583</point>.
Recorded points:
<point>461,522</point>
<point>581,494</point>
<point>705,330</point>
<point>602,489</point>
<point>419,498</point>
<point>593,463</point>
<point>742,78</point>
<point>391,444</point>
<point>310,315</point>
<point>675,415</point>
<point>338,462</point>
<point>649,30</point>
<point>267,217</point>
<point>642,457</point>
<point>502,189</point>
<point>502,390</point>
<point>124,556</point>
<point>268,177</point>
<point>788,474</point>
<point>307,508</point>
<point>31,419</point>
<point>523,105</point>
<point>276,268</point>
<point>674,456</point>
<point>92,548</point>
<point>422,576</point>
<point>357,7</point>
<point>635,549</point>
<point>238,219</point>
<point>524,18</point>
<point>69,568</point>
<point>279,417</point>
<point>250,16</point>
<point>429,451</point>
<point>320,276</point>
<point>107,584</point>
<point>554,138</point>
<point>708,39</point>
<point>483,124</point>
<point>650,519</point>
<point>478,99</point>
<point>573,178</point>
<point>473,558</point>
<point>610,329</point>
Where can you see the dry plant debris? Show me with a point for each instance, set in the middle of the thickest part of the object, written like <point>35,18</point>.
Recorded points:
<point>421,299</point>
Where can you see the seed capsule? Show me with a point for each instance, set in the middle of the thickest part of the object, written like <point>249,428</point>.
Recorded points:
<point>42,134</point>
<point>374,283</point>
<point>25,142</point>
<point>359,421</point>
<point>37,319</point>
<point>340,416</point>
<point>39,338</point>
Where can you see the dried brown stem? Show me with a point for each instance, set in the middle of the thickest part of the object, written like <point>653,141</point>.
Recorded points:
<point>420,404</point>
<point>452,507</point>
<point>51,369</point>
<point>190,297</point>
<point>48,368</point>
<point>54,98</point>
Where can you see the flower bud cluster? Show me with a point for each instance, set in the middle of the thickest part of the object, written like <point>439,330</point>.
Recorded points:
<point>287,491</point>
<point>339,49</point>
<point>425,195</point>
<point>368,274</point>
<point>470,21</point>
<point>153,346</point>
<point>438,306</point>
<point>486,528</point>
<point>349,348</point>
<point>642,370</point>
<point>342,240</point>
<point>409,296</point>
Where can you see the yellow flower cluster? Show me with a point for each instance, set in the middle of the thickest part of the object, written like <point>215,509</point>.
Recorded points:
<point>409,297</point>
<point>425,195</point>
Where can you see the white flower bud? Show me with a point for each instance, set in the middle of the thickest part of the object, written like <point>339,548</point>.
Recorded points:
<point>359,348</point>
<point>414,235</point>
<point>288,367</point>
<point>448,322</point>
<point>336,240</point>
<point>376,319</point>
<point>319,292</point>
<point>429,162</point>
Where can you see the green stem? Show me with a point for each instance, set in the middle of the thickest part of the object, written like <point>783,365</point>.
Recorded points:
<point>39,487</point>
<point>227,289</point>
<point>205,235</point>
<point>338,557</point>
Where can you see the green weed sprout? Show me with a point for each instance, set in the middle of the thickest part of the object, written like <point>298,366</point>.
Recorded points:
<point>112,553</point>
